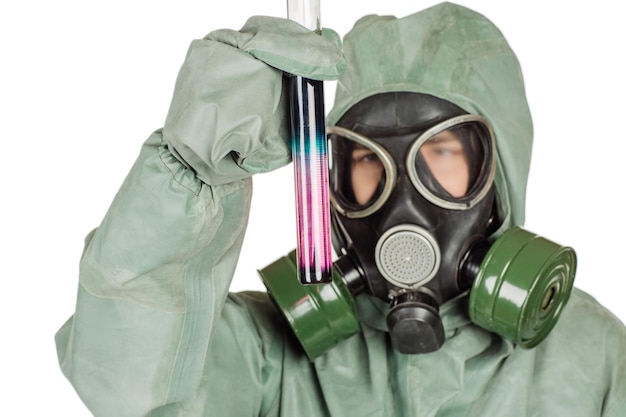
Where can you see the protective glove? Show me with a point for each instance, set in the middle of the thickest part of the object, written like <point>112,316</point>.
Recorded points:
<point>229,117</point>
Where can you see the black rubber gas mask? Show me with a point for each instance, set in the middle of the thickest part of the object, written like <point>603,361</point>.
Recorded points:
<point>412,193</point>
<point>413,208</point>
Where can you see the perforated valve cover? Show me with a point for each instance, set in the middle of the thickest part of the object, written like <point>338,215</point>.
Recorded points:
<point>407,256</point>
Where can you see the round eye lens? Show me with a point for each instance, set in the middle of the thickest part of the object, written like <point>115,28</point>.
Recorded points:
<point>453,163</point>
<point>446,162</point>
<point>359,173</point>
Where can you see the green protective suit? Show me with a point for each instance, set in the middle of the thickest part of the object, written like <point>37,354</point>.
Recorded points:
<point>155,331</point>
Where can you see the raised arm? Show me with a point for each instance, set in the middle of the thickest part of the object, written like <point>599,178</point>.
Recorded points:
<point>154,276</point>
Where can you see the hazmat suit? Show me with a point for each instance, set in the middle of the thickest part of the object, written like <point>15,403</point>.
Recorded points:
<point>156,333</point>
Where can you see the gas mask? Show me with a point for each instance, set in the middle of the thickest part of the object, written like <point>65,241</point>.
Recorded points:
<point>413,210</point>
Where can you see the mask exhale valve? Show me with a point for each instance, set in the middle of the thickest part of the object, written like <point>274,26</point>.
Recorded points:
<point>407,256</point>
<point>414,323</point>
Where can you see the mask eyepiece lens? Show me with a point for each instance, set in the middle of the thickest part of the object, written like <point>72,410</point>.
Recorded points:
<point>362,173</point>
<point>453,163</point>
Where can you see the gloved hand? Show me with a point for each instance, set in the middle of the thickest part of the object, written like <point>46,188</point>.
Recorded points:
<point>229,117</point>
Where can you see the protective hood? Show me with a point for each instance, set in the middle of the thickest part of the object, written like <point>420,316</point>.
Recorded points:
<point>456,54</point>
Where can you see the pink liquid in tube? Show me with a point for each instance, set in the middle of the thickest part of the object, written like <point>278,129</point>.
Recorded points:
<point>310,162</point>
<point>310,159</point>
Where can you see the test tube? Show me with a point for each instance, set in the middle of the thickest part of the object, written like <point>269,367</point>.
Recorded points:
<point>310,162</point>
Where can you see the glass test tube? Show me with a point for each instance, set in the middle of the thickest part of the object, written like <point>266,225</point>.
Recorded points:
<point>310,162</point>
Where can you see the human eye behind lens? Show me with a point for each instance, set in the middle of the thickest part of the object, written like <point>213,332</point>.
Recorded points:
<point>445,144</point>
<point>365,156</point>
<point>443,148</point>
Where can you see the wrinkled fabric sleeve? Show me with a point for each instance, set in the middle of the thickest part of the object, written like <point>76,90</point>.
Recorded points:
<point>154,276</point>
<point>153,280</point>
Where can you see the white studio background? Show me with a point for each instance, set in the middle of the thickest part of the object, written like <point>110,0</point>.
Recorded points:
<point>83,84</point>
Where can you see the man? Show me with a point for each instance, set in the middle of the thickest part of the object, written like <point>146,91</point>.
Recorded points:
<point>431,137</point>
